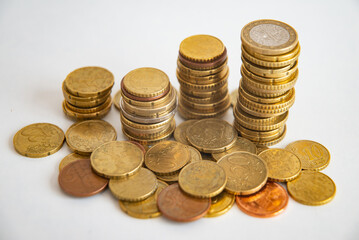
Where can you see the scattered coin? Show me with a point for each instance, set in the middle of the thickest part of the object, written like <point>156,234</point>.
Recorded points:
<point>180,132</point>
<point>220,204</point>
<point>69,159</point>
<point>241,144</point>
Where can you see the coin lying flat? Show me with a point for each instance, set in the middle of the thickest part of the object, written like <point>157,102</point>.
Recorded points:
<point>220,204</point>
<point>180,131</point>
<point>69,159</point>
<point>242,144</point>
<point>261,148</point>
<point>38,140</point>
<point>195,155</point>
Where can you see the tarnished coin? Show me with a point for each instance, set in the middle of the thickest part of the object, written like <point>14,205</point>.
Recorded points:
<point>312,188</point>
<point>117,159</point>
<point>178,206</point>
<point>202,179</point>
<point>146,208</point>
<point>180,131</point>
<point>83,137</point>
<point>283,166</point>
<point>136,187</point>
<point>246,172</point>
<point>270,201</point>
<point>313,155</point>
<point>38,140</point>
<point>212,135</point>
<point>220,204</point>
<point>69,159</point>
<point>241,144</point>
<point>78,179</point>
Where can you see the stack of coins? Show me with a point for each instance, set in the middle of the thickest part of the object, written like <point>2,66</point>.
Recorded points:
<point>270,51</point>
<point>202,72</point>
<point>148,104</point>
<point>87,93</point>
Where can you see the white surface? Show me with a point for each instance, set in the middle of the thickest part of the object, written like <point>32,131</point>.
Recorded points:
<point>42,41</point>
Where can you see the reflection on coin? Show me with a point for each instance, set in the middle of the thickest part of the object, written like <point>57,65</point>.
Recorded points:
<point>180,131</point>
<point>69,159</point>
<point>220,204</point>
<point>241,144</point>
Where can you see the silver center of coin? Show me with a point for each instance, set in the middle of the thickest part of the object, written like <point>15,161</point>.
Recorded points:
<point>269,35</point>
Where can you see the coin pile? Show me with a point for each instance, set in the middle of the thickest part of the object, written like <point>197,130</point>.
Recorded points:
<point>202,72</point>
<point>87,93</point>
<point>270,52</point>
<point>148,104</point>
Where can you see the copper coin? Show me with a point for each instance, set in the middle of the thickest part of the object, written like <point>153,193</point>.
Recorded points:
<point>78,179</point>
<point>140,146</point>
<point>177,206</point>
<point>143,99</point>
<point>204,65</point>
<point>270,201</point>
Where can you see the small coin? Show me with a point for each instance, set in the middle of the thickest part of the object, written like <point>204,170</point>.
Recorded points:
<point>180,131</point>
<point>178,206</point>
<point>195,154</point>
<point>283,166</point>
<point>78,179</point>
<point>313,155</point>
<point>234,97</point>
<point>270,201</point>
<point>38,140</point>
<point>246,172</point>
<point>69,159</point>
<point>312,188</point>
<point>241,144</point>
<point>134,188</point>
<point>220,204</point>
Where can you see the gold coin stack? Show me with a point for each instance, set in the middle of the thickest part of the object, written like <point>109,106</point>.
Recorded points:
<point>202,72</point>
<point>87,93</point>
<point>148,104</point>
<point>270,52</point>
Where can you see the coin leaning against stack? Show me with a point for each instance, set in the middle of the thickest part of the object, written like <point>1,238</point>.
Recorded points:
<point>270,52</point>
<point>202,72</point>
<point>87,93</point>
<point>148,104</point>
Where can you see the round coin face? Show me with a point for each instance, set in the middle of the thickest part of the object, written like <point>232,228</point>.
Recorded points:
<point>242,144</point>
<point>312,188</point>
<point>180,131</point>
<point>69,159</point>
<point>220,204</point>
<point>38,140</point>
<point>178,206</point>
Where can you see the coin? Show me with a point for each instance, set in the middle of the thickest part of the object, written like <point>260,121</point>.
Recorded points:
<point>313,155</point>
<point>200,73</point>
<point>116,100</point>
<point>180,131</point>
<point>83,137</point>
<point>69,159</point>
<point>275,58</point>
<point>86,116</point>
<point>234,96</point>
<point>134,188</point>
<point>195,154</point>
<point>172,178</point>
<point>270,201</point>
<point>140,146</point>
<point>78,179</point>
<point>192,114</point>
<point>241,144</point>
<point>246,172</point>
<point>38,140</point>
<point>312,188</point>
<point>117,159</point>
<point>261,148</point>
<point>89,110</point>
<point>178,206</point>
<point>283,166</point>
<point>220,204</point>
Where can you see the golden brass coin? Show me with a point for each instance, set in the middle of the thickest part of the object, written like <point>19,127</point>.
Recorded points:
<point>151,133</point>
<point>261,148</point>
<point>246,172</point>
<point>220,204</point>
<point>195,154</point>
<point>89,81</point>
<point>267,71</point>
<point>180,132</point>
<point>38,140</point>
<point>146,208</point>
<point>256,138</point>
<point>85,116</point>
<point>116,100</point>
<point>132,124</point>
<point>203,87</point>
<point>274,141</point>
<point>89,110</point>
<point>206,108</point>
<point>275,58</point>
<point>241,144</point>
<point>69,159</point>
<point>150,104</point>
<point>167,157</point>
<point>203,179</point>
<point>211,135</point>
<point>312,188</point>
<point>283,166</point>
<point>215,98</point>
<point>190,114</point>
<point>72,98</point>
<point>84,137</point>
<point>134,188</point>
<point>169,178</point>
<point>200,73</point>
<point>234,97</point>
<point>223,90</point>
<point>264,100</point>
<point>203,80</point>
<point>117,159</point>
<point>313,155</point>
<point>261,135</point>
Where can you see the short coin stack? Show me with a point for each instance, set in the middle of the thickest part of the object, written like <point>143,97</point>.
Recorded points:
<point>148,104</point>
<point>87,93</point>
<point>202,72</point>
<point>270,51</point>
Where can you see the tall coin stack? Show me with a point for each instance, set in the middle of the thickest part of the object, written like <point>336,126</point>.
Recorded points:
<point>87,93</point>
<point>270,51</point>
<point>202,72</point>
<point>148,104</point>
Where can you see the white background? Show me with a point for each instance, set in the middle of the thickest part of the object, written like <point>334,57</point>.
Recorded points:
<point>42,41</point>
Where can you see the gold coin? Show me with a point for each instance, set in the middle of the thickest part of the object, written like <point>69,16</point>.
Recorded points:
<point>190,113</point>
<point>151,133</point>
<point>206,100</point>
<point>201,48</point>
<point>167,157</point>
<point>223,90</point>
<point>283,166</point>
<point>234,97</point>
<point>72,98</point>
<point>212,135</point>
<point>203,80</point>
<point>203,87</point>
<point>274,141</point>
<point>151,104</point>
<point>116,100</point>
<point>312,188</point>
<point>180,132</point>
<point>195,154</point>
<point>275,58</point>
<point>146,208</point>
<point>38,140</point>
<point>260,135</point>
<point>268,100</point>
<point>241,144</point>
<point>132,124</point>
<point>169,178</point>
<point>246,172</point>
<point>267,71</point>
<point>88,110</point>
<point>313,155</point>
<point>134,188</point>
<point>89,81</point>
<point>256,139</point>
<point>117,159</point>
<point>206,108</point>
<point>84,137</point>
<point>146,82</point>
<point>69,159</point>
<point>200,73</point>
<point>261,148</point>
<point>220,204</point>
<point>85,116</point>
